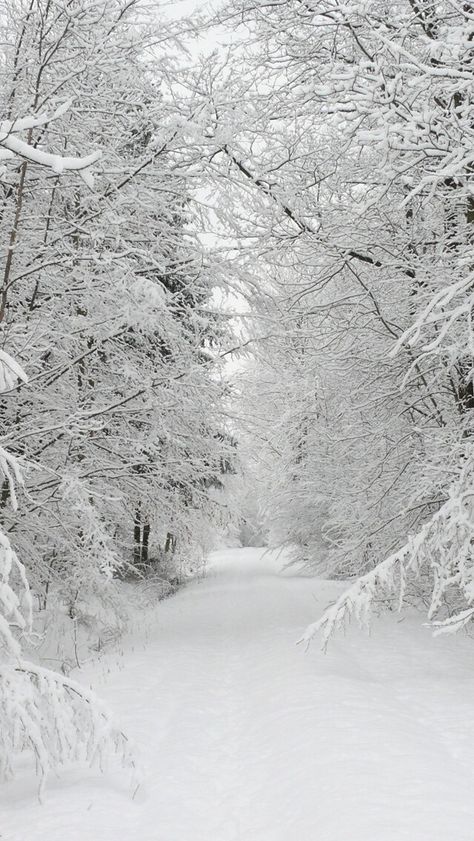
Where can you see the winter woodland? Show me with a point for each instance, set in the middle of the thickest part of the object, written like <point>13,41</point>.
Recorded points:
<point>236,305</point>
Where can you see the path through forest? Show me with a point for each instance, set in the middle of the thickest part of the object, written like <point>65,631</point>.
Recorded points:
<point>245,737</point>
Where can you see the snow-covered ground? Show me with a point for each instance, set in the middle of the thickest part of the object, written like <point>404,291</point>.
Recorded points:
<point>244,737</point>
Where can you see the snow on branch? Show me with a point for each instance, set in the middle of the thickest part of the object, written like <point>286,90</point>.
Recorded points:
<point>10,372</point>
<point>55,718</point>
<point>43,712</point>
<point>15,605</point>
<point>444,546</point>
<point>440,310</point>
<point>13,145</point>
<point>25,123</point>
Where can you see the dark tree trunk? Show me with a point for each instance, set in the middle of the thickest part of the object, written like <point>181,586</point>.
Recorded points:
<point>137,536</point>
<point>170,544</point>
<point>145,542</point>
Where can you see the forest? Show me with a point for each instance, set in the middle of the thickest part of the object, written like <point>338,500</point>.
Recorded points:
<point>236,308</point>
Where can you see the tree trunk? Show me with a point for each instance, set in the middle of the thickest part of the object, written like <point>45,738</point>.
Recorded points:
<point>170,545</point>
<point>145,542</point>
<point>137,536</point>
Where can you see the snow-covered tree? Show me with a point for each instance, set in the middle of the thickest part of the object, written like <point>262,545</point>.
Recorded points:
<point>52,717</point>
<point>106,302</point>
<point>343,134</point>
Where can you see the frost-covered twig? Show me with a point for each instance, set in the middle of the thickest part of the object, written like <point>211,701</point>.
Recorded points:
<point>13,145</point>
<point>444,546</point>
<point>10,372</point>
<point>358,600</point>
<point>54,717</point>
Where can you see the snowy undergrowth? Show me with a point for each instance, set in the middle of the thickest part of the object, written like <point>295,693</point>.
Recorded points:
<point>65,640</point>
<point>244,737</point>
<point>440,553</point>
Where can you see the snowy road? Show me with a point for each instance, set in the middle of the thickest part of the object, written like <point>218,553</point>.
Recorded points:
<point>244,737</point>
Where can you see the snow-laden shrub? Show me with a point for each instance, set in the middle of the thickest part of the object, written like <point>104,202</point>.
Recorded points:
<point>44,713</point>
<point>55,719</point>
<point>442,551</point>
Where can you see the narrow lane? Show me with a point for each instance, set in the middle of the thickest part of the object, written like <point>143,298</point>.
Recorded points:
<point>245,737</point>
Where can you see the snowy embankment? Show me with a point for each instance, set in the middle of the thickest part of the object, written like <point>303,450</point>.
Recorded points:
<point>244,737</point>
